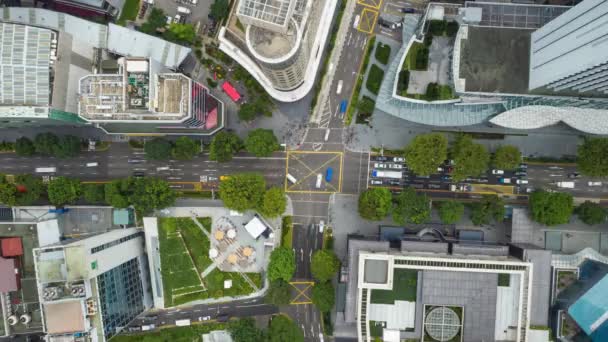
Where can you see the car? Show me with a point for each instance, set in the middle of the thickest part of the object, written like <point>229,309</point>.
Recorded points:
<point>498,172</point>
<point>439,169</point>
<point>138,174</point>
<point>204,318</point>
<point>328,174</point>
<point>407,10</point>
<point>135,161</point>
<point>134,329</point>
<point>421,176</point>
<point>380,158</point>
<point>523,166</point>
<point>530,190</point>
<point>449,162</point>
<point>594,183</point>
<point>574,175</point>
<point>394,182</point>
<point>434,186</point>
<point>379,165</point>
<point>521,181</point>
<point>151,317</point>
<point>504,180</point>
<point>521,173</point>
<point>386,23</point>
<point>398,159</point>
<point>375,182</point>
<point>417,186</point>
<point>222,318</point>
<point>446,178</point>
<point>395,166</point>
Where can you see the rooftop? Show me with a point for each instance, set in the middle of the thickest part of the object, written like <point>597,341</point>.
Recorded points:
<point>64,317</point>
<point>495,60</point>
<point>272,11</point>
<point>271,44</point>
<point>8,277</point>
<point>25,64</point>
<point>590,311</point>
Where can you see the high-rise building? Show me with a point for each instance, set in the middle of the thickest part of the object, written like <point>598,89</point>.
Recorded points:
<point>91,288</point>
<point>570,53</point>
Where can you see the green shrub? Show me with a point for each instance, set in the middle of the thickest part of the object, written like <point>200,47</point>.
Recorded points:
<point>129,11</point>
<point>422,58</point>
<point>383,52</point>
<point>404,80</point>
<point>451,28</point>
<point>437,27</point>
<point>374,79</point>
<point>211,82</point>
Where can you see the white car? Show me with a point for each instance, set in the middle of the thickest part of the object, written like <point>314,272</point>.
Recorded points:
<point>396,166</point>
<point>594,183</point>
<point>440,169</point>
<point>379,165</point>
<point>321,226</point>
<point>398,159</point>
<point>521,181</point>
<point>375,182</point>
<point>498,172</point>
<point>204,318</point>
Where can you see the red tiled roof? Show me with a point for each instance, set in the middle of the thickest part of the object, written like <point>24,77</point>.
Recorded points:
<point>8,277</point>
<point>11,247</point>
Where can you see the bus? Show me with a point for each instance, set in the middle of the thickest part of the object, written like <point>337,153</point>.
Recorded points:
<point>319,179</point>
<point>231,91</point>
<point>46,169</point>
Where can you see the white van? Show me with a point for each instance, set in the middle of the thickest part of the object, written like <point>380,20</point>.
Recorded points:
<point>339,89</point>
<point>183,10</point>
<point>319,179</point>
<point>291,178</point>
<point>92,164</point>
<point>356,22</point>
<point>498,172</point>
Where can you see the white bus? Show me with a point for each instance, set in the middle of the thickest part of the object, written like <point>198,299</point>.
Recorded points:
<point>291,178</point>
<point>182,322</point>
<point>46,169</point>
<point>92,164</point>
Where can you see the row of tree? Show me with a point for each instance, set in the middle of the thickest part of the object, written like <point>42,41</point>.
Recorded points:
<point>428,151</point>
<point>144,194</point>
<point>49,144</point>
<point>553,208</point>
<point>261,142</point>
<point>411,207</point>
<point>247,191</point>
<point>183,148</point>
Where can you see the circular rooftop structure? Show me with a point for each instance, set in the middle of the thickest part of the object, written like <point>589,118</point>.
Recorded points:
<point>272,47</point>
<point>442,324</point>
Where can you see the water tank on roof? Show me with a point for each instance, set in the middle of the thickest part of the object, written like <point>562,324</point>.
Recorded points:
<point>25,318</point>
<point>12,320</point>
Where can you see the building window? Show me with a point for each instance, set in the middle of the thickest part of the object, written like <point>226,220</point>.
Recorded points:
<point>115,242</point>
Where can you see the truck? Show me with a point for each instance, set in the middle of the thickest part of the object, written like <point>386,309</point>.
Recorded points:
<point>148,327</point>
<point>387,174</point>
<point>568,185</point>
<point>182,322</point>
<point>46,169</point>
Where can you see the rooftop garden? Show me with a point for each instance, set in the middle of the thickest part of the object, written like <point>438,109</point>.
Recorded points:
<point>404,288</point>
<point>184,253</point>
<point>565,278</point>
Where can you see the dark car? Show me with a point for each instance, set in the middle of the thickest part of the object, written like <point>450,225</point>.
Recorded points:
<point>222,318</point>
<point>138,174</point>
<point>407,10</point>
<point>574,175</point>
<point>394,182</point>
<point>380,158</point>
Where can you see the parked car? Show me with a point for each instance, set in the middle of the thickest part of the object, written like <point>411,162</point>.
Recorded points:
<point>449,162</point>
<point>395,166</point>
<point>407,10</point>
<point>398,159</point>
<point>375,182</point>
<point>521,173</point>
<point>394,182</point>
<point>574,175</point>
<point>434,186</point>
<point>530,190</point>
<point>222,318</point>
<point>505,180</point>
<point>446,178</point>
<point>594,183</point>
<point>138,174</point>
<point>498,172</point>
<point>521,181</point>
<point>379,165</point>
<point>523,166</point>
<point>380,158</point>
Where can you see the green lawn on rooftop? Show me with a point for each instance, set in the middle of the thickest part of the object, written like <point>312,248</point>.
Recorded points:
<point>404,288</point>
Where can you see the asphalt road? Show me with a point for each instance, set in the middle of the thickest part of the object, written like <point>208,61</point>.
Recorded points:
<point>306,240</point>
<point>122,161</point>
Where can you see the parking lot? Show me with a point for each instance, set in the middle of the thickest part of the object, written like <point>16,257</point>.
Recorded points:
<point>314,172</point>
<point>199,10</point>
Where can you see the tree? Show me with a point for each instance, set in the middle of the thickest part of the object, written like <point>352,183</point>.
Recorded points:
<point>375,203</point>
<point>45,143</point>
<point>282,329</point>
<point>261,142</point>
<point>366,105</point>
<point>411,207</point>
<point>117,192</point>
<point>244,329</point>
<point>490,207</point>
<point>248,112</point>
<point>185,148</point>
<point>156,19</point>
<point>324,265</point>
<point>8,193</point>
<point>63,190</point>
<point>451,212</point>
<point>67,146</point>
<point>29,189</point>
<point>151,193</point>
<point>323,296</point>
<point>592,157</point>
<point>273,203</point>
<point>220,9</point>
<point>507,157</point>
<point>158,149</point>
<point>551,208</point>
<point>591,213</point>
<point>279,293</point>
<point>426,152</point>
<point>24,147</point>
<point>243,191</point>
<point>93,193</point>
<point>282,264</point>
<point>180,33</point>
<point>470,159</point>
<point>223,146</point>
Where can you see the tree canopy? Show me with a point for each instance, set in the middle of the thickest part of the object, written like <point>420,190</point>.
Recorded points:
<point>470,159</point>
<point>185,148</point>
<point>29,189</point>
<point>244,329</point>
<point>243,191</point>
<point>158,149</point>
<point>551,208</point>
<point>375,203</point>
<point>67,146</point>
<point>507,157</point>
<point>488,208</point>
<point>273,203</point>
<point>180,33</point>
<point>8,193</point>
<point>145,194</point>
<point>591,213</point>
<point>324,265</point>
<point>117,192</point>
<point>282,329</point>
<point>323,296</point>
<point>261,142</point>
<point>24,147</point>
<point>426,152</point>
<point>63,190</point>
<point>592,157</point>
<point>93,193</point>
<point>220,9</point>
<point>451,212</point>
<point>45,143</point>
<point>411,207</point>
<point>156,19</point>
<point>282,264</point>
<point>224,145</point>
<point>279,293</point>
